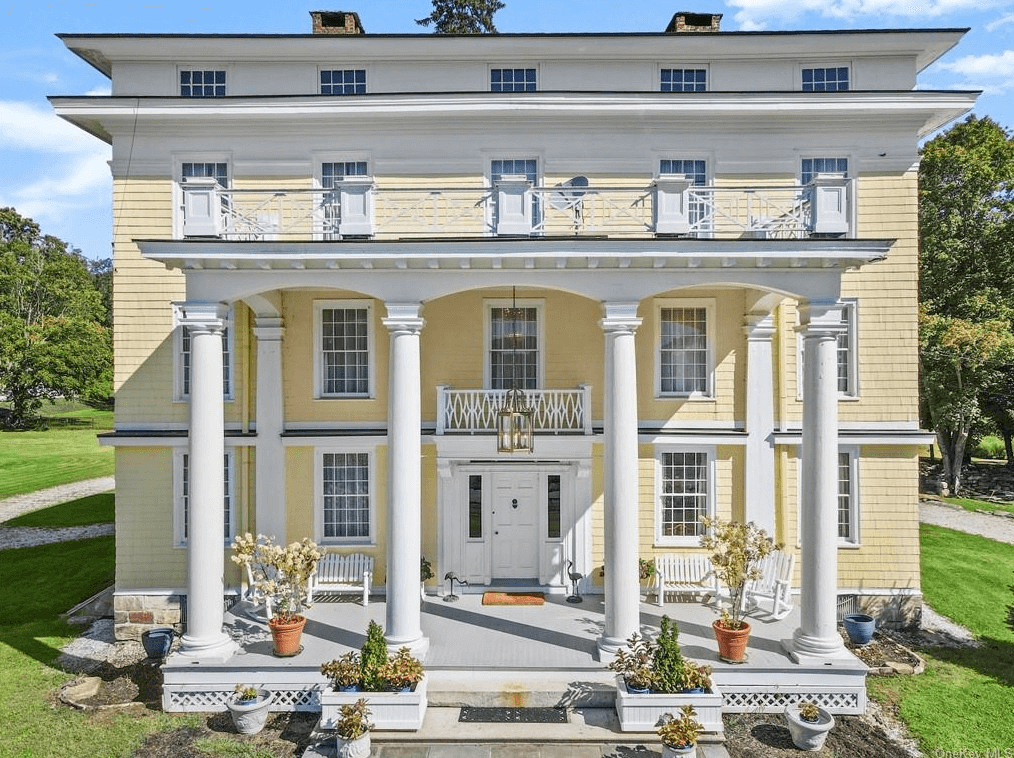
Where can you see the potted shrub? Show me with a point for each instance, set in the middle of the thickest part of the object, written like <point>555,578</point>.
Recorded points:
<point>344,672</point>
<point>679,735</point>
<point>425,574</point>
<point>249,708</point>
<point>634,664</point>
<point>373,657</point>
<point>402,672</point>
<point>352,730</point>
<point>281,575</point>
<point>736,548</point>
<point>808,724</point>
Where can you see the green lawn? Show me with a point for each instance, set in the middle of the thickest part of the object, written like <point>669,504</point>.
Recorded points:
<point>35,460</point>
<point>978,505</point>
<point>965,698</point>
<point>94,509</point>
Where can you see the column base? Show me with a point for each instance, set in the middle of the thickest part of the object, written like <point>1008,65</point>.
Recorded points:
<point>418,646</point>
<point>217,649</point>
<point>811,650</point>
<point>607,647</point>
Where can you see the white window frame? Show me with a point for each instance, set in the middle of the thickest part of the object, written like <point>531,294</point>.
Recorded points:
<point>179,365</point>
<point>343,67</point>
<point>835,154</point>
<point>852,540</point>
<point>538,212</point>
<point>709,451</point>
<point>178,161</point>
<point>179,507</point>
<point>490,68</point>
<point>319,306</point>
<point>487,337</point>
<point>352,448</point>
<point>683,67</point>
<point>319,159</point>
<point>198,66</point>
<point>800,67</point>
<point>851,321</point>
<point>709,305</point>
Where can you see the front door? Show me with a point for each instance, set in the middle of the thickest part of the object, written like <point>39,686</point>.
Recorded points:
<point>515,521</point>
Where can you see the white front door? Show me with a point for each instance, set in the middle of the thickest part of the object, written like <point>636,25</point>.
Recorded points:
<point>515,522</point>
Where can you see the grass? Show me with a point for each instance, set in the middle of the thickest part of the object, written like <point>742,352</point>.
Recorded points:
<point>35,460</point>
<point>93,509</point>
<point>222,746</point>
<point>965,697</point>
<point>33,592</point>
<point>970,504</point>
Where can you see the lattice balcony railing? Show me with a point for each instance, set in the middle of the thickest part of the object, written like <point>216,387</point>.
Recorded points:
<point>556,410</point>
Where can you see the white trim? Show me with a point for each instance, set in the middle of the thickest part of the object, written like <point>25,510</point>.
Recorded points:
<point>179,158</point>
<point>228,345</point>
<point>337,444</point>
<point>855,504</point>
<point>851,321</point>
<point>318,495</point>
<point>710,500</point>
<point>179,540</point>
<point>708,304</point>
<point>488,304</point>
<point>318,307</point>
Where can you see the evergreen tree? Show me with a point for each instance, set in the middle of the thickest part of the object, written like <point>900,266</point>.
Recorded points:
<point>462,16</point>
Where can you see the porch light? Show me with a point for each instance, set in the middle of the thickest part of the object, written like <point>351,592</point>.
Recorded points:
<point>515,417</point>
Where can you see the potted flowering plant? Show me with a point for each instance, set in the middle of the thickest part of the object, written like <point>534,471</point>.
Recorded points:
<point>736,549</point>
<point>679,735</point>
<point>281,575</point>
<point>402,672</point>
<point>352,730</point>
<point>634,663</point>
<point>344,672</point>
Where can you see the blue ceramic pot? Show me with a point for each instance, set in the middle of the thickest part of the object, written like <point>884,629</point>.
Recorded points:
<point>635,690</point>
<point>350,688</point>
<point>859,628</point>
<point>157,642</point>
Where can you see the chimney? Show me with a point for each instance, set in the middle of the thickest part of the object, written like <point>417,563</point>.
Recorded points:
<point>336,22</point>
<point>685,21</point>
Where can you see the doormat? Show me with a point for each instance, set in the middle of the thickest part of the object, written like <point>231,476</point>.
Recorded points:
<point>474,715</point>
<point>513,598</point>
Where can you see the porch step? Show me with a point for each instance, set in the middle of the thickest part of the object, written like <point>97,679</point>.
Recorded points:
<point>580,688</point>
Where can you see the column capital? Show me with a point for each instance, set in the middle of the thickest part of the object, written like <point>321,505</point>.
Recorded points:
<point>268,328</point>
<point>620,317</point>
<point>202,315</point>
<point>403,317</point>
<point>821,318</point>
<point>759,326</point>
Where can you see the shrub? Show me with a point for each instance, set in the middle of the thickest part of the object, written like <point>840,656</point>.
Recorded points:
<point>668,664</point>
<point>373,656</point>
<point>990,447</point>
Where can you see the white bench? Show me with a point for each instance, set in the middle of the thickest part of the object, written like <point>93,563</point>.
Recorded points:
<point>775,584</point>
<point>683,574</point>
<point>342,573</point>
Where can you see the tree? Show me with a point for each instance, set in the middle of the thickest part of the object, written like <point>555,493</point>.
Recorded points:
<point>53,342</point>
<point>462,16</point>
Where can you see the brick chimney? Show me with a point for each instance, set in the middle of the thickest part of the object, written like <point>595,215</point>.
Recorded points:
<point>336,22</point>
<point>685,21</point>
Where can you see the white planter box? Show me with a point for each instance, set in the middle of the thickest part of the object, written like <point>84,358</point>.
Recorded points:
<point>388,710</point>
<point>641,713</point>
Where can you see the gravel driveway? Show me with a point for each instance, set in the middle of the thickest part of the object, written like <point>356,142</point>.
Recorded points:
<point>29,536</point>
<point>999,528</point>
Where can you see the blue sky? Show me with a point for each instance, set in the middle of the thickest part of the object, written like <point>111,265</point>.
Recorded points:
<point>58,175</point>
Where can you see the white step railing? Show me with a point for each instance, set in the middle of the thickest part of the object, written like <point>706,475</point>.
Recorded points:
<point>563,410</point>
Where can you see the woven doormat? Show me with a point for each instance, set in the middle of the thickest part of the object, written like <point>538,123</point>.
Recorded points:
<point>472,715</point>
<point>513,598</point>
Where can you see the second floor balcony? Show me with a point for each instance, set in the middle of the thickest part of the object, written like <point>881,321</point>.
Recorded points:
<point>358,208</point>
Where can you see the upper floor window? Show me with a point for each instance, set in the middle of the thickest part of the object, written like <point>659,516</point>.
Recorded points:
<point>685,493</point>
<point>810,167</point>
<point>512,80</point>
<point>182,497</point>
<point>344,349</point>
<point>833,79</point>
<point>206,169</point>
<point>684,80</point>
<point>332,174</point>
<point>528,168</point>
<point>343,81</point>
<point>513,347</point>
<point>685,349</point>
<point>345,505</point>
<point>196,82</point>
<point>697,172</point>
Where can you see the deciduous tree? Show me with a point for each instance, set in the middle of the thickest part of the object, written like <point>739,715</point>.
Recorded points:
<point>462,16</point>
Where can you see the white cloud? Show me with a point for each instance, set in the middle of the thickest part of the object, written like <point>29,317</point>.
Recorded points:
<point>755,14</point>
<point>992,73</point>
<point>23,126</point>
<point>1002,21</point>
<point>103,91</point>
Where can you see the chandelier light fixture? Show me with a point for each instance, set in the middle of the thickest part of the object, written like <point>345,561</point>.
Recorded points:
<point>515,417</point>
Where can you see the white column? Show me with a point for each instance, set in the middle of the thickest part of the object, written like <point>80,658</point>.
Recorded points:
<point>204,638</point>
<point>759,506</point>
<point>404,485</point>
<point>817,637</point>
<point>622,584</point>
<point>270,475</point>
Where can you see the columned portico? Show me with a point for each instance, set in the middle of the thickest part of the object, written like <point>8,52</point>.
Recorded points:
<point>759,504</point>
<point>270,482</point>
<point>204,638</point>
<point>404,503</point>
<point>622,585</point>
<point>817,636</point>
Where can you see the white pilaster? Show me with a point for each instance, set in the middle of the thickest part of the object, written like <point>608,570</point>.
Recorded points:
<point>204,638</point>
<point>270,476</point>
<point>622,584</point>
<point>817,637</point>
<point>404,489</point>
<point>759,506</point>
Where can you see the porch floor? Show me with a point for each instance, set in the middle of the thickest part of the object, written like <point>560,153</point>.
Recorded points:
<point>512,656</point>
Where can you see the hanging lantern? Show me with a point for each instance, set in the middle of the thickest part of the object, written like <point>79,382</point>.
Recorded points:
<point>515,418</point>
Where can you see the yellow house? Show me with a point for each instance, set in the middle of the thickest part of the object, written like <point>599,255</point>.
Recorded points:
<point>693,253</point>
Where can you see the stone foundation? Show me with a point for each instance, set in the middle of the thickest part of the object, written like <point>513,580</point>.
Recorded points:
<point>135,614</point>
<point>890,611</point>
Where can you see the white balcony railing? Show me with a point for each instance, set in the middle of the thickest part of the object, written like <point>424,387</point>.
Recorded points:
<point>556,411</point>
<point>515,207</point>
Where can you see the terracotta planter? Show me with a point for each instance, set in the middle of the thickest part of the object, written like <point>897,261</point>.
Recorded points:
<point>287,636</point>
<point>731,642</point>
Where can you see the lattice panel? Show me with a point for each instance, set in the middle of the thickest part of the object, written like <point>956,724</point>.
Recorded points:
<point>476,410</point>
<point>775,702</point>
<point>179,700</point>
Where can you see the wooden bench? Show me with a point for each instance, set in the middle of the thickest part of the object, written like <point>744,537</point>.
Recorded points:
<point>775,584</point>
<point>342,573</point>
<point>683,574</point>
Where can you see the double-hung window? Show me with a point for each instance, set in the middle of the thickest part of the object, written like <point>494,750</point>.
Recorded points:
<point>696,171</point>
<point>196,82</point>
<point>512,80</point>
<point>685,488</point>
<point>343,81</point>
<point>514,346</point>
<point>684,80</point>
<point>344,354</point>
<point>332,175</point>
<point>685,352</point>
<point>810,167</point>
<point>846,354</point>
<point>526,167</point>
<point>848,496</point>
<point>826,79</point>
<point>182,482</point>
<point>345,502</point>
<point>183,361</point>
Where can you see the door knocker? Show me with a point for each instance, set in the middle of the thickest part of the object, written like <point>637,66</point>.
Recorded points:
<point>514,503</point>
